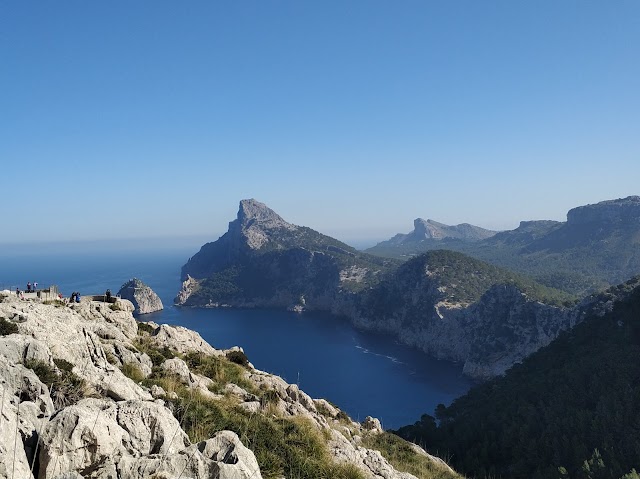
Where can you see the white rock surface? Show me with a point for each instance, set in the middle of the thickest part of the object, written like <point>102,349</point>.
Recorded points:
<point>183,340</point>
<point>127,431</point>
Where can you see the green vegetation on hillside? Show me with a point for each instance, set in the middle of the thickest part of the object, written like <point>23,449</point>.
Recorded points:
<point>546,417</point>
<point>297,271</point>
<point>574,258</point>
<point>401,455</point>
<point>442,275</point>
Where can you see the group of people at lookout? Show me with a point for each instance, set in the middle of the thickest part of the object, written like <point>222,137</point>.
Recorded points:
<point>74,298</point>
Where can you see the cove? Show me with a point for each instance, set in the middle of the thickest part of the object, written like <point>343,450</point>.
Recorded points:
<point>363,373</point>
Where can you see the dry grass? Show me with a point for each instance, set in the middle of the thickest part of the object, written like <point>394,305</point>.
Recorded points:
<point>401,455</point>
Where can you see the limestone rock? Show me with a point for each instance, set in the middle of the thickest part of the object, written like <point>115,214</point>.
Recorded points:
<point>183,340</point>
<point>177,367</point>
<point>129,431</point>
<point>233,459</point>
<point>98,431</point>
<point>624,210</point>
<point>372,424</point>
<point>189,285</point>
<point>372,464</point>
<point>144,299</point>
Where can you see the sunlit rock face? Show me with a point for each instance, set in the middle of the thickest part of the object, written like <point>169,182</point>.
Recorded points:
<point>143,298</point>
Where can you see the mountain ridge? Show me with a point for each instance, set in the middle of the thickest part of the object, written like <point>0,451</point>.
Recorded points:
<point>433,230</point>
<point>598,246</point>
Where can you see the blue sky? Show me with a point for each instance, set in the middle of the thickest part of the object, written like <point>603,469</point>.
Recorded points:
<point>154,118</point>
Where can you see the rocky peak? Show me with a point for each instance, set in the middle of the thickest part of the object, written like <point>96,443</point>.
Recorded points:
<point>255,222</point>
<point>625,210</point>
<point>252,212</point>
<point>422,229</point>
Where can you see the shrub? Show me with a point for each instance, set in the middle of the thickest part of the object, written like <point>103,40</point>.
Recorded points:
<point>145,328</point>
<point>111,359</point>
<point>269,396</point>
<point>157,355</point>
<point>45,373</point>
<point>238,357</point>
<point>343,416</point>
<point>220,370</point>
<point>7,327</point>
<point>65,388</point>
<point>63,364</point>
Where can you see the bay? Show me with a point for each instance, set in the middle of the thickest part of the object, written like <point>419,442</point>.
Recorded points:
<point>365,374</point>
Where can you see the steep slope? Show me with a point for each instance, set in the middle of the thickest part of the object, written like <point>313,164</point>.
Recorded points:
<point>597,246</point>
<point>86,391</point>
<point>578,394</point>
<point>264,261</point>
<point>459,308</point>
<point>143,298</point>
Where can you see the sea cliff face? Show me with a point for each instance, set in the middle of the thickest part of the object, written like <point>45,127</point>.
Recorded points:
<point>89,392</point>
<point>263,261</point>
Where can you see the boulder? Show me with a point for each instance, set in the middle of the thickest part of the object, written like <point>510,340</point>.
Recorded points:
<point>183,340</point>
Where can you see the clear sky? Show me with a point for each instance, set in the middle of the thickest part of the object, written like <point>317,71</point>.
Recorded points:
<point>123,119</point>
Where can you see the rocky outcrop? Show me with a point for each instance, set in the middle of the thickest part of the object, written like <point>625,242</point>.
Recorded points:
<point>432,230</point>
<point>624,210</point>
<point>143,298</point>
<point>108,425</point>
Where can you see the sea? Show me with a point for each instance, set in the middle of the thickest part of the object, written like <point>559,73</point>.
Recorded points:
<point>363,373</point>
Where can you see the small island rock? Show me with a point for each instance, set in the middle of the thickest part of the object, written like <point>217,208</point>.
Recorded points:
<point>144,299</point>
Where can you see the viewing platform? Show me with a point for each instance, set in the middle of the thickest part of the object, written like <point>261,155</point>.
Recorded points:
<point>52,293</point>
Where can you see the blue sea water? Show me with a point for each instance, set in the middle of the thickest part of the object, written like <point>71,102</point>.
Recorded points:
<point>363,373</point>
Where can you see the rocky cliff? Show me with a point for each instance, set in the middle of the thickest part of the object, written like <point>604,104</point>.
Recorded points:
<point>457,308</point>
<point>143,298</point>
<point>263,261</point>
<point>624,210</point>
<point>86,391</point>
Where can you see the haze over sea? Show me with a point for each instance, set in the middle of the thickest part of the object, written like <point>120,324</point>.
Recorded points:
<point>363,373</point>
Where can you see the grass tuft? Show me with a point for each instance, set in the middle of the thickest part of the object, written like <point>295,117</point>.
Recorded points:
<point>132,371</point>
